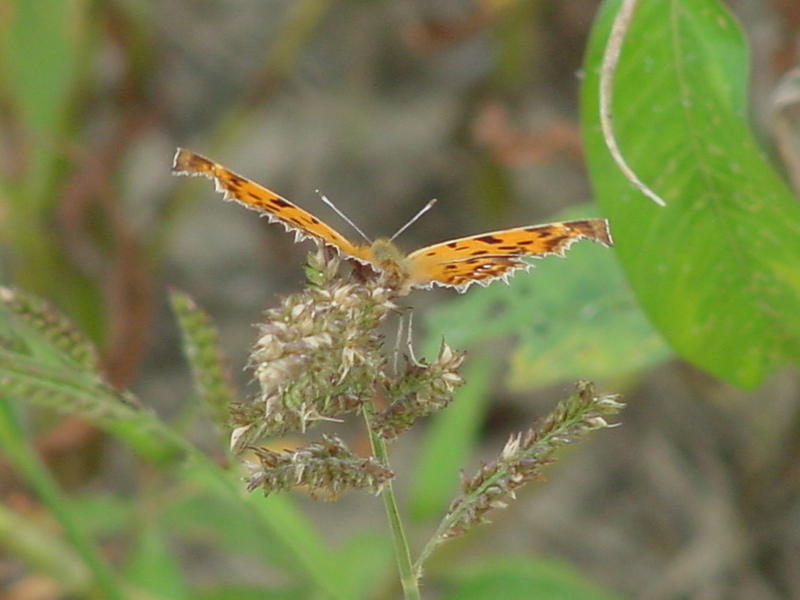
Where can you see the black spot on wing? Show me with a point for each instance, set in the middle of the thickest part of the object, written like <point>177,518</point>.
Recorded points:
<point>235,181</point>
<point>488,239</point>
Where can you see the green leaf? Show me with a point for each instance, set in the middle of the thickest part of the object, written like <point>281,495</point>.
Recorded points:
<point>152,565</point>
<point>40,49</point>
<point>573,318</point>
<point>41,45</point>
<point>717,270</point>
<point>43,550</point>
<point>273,527</point>
<point>297,536</point>
<point>222,522</point>
<point>244,592</point>
<point>523,578</point>
<point>46,361</point>
<point>367,563</point>
<point>29,467</point>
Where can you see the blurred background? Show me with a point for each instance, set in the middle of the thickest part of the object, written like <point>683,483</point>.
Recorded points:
<point>380,105</point>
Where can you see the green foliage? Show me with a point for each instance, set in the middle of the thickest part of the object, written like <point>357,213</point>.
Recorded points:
<point>43,550</point>
<point>716,271</point>
<point>44,50</point>
<point>40,48</point>
<point>45,360</point>
<point>521,578</point>
<point>43,357</point>
<point>151,564</point>
<point>204,503</point>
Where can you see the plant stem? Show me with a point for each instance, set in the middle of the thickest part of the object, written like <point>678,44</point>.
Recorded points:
<point>408,576</point>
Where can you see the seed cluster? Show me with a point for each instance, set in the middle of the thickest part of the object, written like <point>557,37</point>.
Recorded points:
<point>320,356</point>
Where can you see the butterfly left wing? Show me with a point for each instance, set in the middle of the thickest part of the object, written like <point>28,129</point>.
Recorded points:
<point>258,198</point>
<point>489,256</point>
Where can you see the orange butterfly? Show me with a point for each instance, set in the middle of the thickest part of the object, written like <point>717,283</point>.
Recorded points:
<point>457,263</point>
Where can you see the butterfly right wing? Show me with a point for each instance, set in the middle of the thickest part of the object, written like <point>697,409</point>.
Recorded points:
<point>276,208</point>
<point>486,257</point>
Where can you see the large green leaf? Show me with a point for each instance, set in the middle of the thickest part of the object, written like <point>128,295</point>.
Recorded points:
<point>718,269</point>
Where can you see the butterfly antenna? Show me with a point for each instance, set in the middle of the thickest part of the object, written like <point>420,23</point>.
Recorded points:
<point>344,216</point>
<point>413,220</point>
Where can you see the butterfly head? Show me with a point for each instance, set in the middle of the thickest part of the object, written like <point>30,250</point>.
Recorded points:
<point>389,260</point>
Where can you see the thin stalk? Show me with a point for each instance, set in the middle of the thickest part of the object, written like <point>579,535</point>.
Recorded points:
<point>446,523</point>
<point>408,576</point>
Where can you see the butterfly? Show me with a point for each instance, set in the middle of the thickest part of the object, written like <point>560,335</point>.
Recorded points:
<point>457,263</point>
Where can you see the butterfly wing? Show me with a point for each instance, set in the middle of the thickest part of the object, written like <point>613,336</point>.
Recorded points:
<point>255,197</point>
<point>489,256</point>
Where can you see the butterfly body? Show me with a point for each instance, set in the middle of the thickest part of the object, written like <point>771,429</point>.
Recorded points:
<point>456,263</point>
